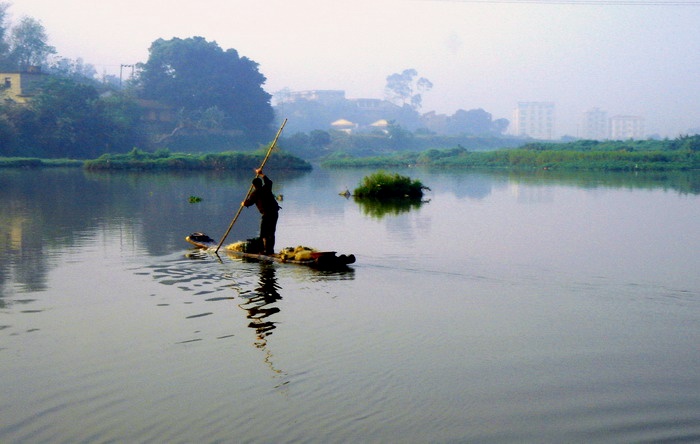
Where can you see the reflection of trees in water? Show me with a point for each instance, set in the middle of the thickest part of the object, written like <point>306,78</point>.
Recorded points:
<point>388,207</point>
<point>260,305</point>
<point>474,186</point>
<point>34,222</point>
<point>50,210</point>
<point>479,185</point>
<point>684,182</point>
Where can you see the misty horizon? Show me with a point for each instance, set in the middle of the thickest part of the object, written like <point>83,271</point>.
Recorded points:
<point>627,58</point>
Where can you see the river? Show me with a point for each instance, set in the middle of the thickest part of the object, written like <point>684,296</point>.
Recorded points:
<point>508,307</point>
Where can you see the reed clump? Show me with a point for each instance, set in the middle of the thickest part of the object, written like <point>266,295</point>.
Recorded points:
<point>383,185</point>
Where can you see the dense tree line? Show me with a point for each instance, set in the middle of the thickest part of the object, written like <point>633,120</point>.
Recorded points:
<point>68,119</point>
<point>215,96</point>
<point>74,114</point>
<point>212,88</point>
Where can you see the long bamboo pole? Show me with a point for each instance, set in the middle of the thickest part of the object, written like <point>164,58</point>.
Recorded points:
<point>250,189</point>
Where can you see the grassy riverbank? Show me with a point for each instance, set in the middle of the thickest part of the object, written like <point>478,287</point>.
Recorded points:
<point>32,162</point>
<point>680,154</point>
<point>163,160</point>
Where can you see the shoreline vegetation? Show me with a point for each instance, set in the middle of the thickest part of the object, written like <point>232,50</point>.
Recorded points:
<point>164,160</point>
<point>35,162</point>
<point>681,154</point>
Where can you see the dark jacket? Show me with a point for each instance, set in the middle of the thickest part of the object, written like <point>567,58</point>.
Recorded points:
<point>263,198</point>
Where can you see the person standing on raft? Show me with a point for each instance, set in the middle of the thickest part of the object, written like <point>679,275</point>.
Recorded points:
<point>263,198</point>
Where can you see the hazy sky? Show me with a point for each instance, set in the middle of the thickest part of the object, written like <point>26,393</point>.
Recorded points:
<point>622,56</point>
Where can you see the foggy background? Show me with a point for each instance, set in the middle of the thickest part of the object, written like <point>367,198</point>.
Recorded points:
<point>624,57</point>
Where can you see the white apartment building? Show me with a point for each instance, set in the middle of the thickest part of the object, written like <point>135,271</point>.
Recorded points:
<point>626,127</point>
<point>535,120</point>
<point>594,125</point>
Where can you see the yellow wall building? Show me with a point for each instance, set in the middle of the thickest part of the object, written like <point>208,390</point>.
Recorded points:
<point>20,87</point>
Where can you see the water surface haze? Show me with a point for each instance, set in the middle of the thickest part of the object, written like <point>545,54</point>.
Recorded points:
<point>508,307</point>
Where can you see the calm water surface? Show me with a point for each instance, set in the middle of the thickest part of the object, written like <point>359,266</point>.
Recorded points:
<point>508,308</point>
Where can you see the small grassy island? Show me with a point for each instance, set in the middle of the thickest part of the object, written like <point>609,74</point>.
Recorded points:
<point>382,193</point>
<point>382,185</point>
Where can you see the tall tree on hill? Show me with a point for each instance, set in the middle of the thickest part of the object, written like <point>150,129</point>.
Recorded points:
<point>195,75</point>
<point>404,89</point>
<point>29,44</point>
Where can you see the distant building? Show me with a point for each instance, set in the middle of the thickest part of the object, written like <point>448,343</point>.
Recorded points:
<point>626,127</point>
<point>22,86</point>
<point>371,104</point>
<point>314,109</point>
<point>343,125</point>
<point>381,125</point>
<point>535,120</point>
<point>594,125</point>
<point>323,96</point>
<point>438,123</point>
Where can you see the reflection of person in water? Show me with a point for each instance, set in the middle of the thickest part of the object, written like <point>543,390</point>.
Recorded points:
<point>260,305</point>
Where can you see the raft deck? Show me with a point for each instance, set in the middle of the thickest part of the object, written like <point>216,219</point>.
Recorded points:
<point>323,260</point>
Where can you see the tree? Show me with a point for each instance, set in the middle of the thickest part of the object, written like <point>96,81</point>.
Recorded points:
<point>500,125</point>
<point>9,133</point>
<point>4,46</point>
<point>69,119</point>
<point>399,137</point>
<point>74,69</point>
<point>686,142</point>
<point>475,121</point>
<point>405,89</point>
<point>29,44</point>
<point>195,75</point>
<point>319,138</point>
<point>121,129</point>
<point>66,115</point>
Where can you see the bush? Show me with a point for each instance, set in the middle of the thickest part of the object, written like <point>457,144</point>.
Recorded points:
<point>382,185</point>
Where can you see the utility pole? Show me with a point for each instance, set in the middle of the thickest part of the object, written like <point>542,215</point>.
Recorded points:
<point>121,70</point>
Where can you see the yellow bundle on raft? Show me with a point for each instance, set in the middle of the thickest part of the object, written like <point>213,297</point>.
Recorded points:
<point>299,253</point>
<point>252,246</point>
<point>241,246</point>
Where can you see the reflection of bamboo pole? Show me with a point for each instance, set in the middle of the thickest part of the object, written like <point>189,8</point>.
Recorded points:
<point>250,189</point>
